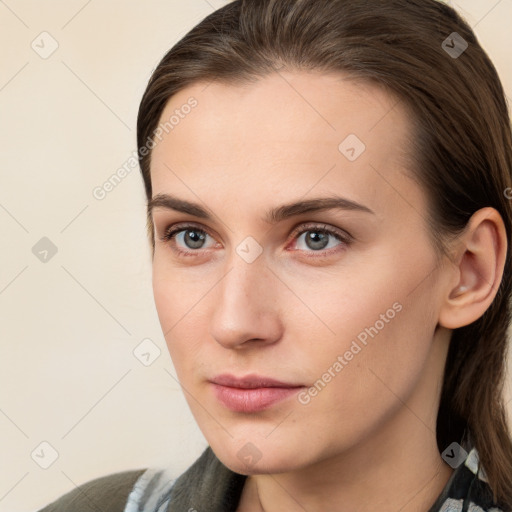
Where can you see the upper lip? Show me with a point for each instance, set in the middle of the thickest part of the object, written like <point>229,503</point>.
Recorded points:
<point>251,382</point>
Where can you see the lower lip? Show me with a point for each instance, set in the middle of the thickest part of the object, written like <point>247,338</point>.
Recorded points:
<point>251,400</point>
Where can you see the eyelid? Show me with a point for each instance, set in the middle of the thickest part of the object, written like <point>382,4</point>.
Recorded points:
<point>182,226</point>
<point>302,227</point>
<point>341,235</point>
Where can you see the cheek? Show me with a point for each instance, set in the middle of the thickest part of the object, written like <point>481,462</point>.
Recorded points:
<point>379,379</point>
<point>185,303</point>
<point>178,305</point>
<point>178,292</point>
<point>383,331</point>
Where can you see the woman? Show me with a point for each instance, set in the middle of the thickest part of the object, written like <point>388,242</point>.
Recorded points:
<point>328,187</point>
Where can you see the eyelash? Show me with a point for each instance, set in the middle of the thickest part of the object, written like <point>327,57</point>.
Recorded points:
<point>345,238</point>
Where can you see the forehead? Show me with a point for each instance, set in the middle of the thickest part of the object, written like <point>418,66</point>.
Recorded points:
<point>293,131</point>
<point>307,104</point>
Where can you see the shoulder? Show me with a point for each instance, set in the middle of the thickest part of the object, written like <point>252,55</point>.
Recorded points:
<point>108,492</point>
<point>206,485</point>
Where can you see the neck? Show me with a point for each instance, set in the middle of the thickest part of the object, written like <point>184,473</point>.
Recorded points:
<point>386,486</point>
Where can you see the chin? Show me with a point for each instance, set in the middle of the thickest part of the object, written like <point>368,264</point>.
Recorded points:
<point>259,456</point>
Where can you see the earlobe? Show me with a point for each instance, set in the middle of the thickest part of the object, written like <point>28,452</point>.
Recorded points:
<point>481,259</point>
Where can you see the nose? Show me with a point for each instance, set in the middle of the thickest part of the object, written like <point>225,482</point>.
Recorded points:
<point>246,308</point>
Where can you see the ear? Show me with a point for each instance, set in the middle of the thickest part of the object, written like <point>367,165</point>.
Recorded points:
<point>478,268</point>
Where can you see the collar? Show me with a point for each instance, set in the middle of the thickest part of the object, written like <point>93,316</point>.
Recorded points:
<point>207,485</point>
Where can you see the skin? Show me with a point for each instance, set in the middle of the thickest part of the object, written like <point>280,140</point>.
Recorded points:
<point>291,312</point>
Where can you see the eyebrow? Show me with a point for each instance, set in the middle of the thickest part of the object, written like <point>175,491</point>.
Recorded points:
<point>272,216</point>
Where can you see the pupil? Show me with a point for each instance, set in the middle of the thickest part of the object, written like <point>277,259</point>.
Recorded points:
<point>319,243</point>
<point>193,240</point>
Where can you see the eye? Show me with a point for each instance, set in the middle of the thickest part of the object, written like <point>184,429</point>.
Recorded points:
<point>187,236</point>
<point>320,239</point>
<point>189,240</point>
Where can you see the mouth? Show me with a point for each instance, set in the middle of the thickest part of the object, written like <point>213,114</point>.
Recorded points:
<point>252,393</point>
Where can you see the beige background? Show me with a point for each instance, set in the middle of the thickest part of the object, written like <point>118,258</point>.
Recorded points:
<point>69,326</point>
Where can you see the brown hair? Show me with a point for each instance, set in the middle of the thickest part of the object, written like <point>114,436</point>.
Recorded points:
<point>461,147</point>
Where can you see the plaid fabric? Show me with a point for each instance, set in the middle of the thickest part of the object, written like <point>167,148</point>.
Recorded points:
<point>208,486</point>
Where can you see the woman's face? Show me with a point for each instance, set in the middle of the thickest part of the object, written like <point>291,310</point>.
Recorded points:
<point>340,304</point>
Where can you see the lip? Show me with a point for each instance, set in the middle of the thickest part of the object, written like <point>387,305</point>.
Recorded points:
<point>251,381</point>
<point>251,393</point>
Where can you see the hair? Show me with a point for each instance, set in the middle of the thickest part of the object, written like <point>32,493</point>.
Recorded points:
<point>461,148</point>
